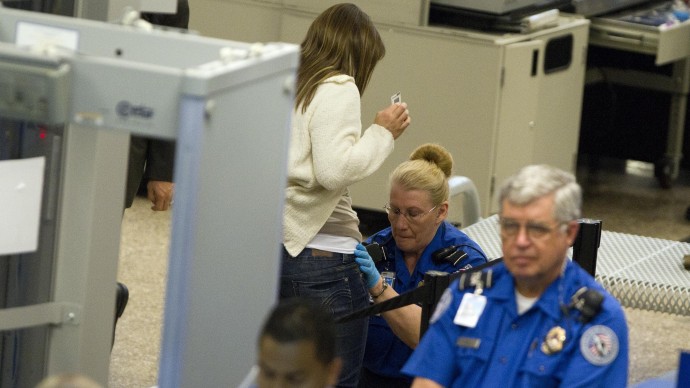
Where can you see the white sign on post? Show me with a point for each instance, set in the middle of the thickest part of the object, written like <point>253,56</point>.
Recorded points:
<point>21,189</point>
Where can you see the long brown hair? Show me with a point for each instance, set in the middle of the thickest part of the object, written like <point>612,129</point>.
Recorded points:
<point>341,40</point>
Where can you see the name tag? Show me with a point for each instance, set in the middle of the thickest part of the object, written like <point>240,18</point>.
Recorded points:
<point>471,308</point>
<point>467,342</point>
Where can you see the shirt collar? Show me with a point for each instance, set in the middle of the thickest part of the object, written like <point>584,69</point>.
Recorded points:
<point>549,301</point>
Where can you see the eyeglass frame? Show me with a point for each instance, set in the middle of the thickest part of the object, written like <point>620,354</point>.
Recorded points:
<point>533,230</point>
<point>410,218</point>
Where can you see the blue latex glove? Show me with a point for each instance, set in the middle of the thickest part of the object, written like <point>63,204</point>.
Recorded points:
<point>367,266</point>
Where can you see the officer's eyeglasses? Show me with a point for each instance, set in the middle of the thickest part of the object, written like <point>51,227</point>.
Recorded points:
<point>412,216</point>
<point>511,228</point>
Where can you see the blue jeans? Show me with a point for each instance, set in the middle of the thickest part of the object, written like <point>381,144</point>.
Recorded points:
<point>336,281</point>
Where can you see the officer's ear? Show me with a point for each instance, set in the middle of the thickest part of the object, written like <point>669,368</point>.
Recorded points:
<point>442,212</point>
<point>572,228</point>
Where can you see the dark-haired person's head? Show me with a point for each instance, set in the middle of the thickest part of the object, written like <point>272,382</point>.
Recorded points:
<point>297,347</point>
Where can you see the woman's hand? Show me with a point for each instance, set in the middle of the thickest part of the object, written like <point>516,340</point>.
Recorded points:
<point>367,266</point>
<point>396,118</point>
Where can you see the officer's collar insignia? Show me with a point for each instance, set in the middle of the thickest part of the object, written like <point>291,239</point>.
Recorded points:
<point>478,279</point>
<point>599,345</point>
<point>553,343</point>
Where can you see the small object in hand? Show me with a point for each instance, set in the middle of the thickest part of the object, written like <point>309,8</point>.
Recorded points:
<point>686,262</point>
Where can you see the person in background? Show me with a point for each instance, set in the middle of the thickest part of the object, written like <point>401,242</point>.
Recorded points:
<point>327,153</point>
<point>535,320</point>
<point>151,161</point>
<point>418,240</point>
<point>297,347</point>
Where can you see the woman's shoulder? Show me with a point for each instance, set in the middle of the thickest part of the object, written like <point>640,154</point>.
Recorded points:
<point>338,86</point>
<point>339,79</point>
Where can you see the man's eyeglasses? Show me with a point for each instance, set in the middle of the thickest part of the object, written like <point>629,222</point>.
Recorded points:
<point>412,216</point>
<point>534,230</point>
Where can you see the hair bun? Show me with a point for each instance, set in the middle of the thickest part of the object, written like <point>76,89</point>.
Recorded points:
<point>436,154</point>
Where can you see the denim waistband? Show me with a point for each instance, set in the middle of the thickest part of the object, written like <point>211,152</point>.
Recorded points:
<point>319,254</point>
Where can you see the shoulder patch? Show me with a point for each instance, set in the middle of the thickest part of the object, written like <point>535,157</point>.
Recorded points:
<point>442,305</point>
<point>599,345</point>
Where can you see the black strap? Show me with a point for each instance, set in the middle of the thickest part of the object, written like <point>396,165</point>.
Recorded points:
<point>415,296</point>
<point>427,294</point>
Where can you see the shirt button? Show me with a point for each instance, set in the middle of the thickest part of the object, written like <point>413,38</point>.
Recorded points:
<point>514,326</point>
<point>503,360</point>
<point>541,368</point>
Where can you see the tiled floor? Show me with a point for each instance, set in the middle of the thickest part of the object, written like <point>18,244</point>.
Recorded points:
<point>627,199</point>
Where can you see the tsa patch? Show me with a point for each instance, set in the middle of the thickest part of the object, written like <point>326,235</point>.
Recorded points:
<point>442,305</point>
<point>599,345</point>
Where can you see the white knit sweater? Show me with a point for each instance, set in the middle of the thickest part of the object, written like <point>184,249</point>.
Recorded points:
<point>327,154</point>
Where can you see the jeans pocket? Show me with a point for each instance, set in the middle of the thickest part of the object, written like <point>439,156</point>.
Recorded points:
<point>335,295</point>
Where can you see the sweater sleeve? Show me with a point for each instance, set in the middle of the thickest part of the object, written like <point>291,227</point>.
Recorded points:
<point>341,154</point>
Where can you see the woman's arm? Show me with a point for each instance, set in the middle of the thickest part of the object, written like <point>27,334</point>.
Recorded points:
<point>404,321</point>
<point>341,154</point>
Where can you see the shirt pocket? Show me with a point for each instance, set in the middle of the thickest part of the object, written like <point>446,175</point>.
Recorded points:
<point>541,370</point>
<point>472,358</point>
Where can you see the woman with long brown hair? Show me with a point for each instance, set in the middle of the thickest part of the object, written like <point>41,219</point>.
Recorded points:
<point>329,152</point>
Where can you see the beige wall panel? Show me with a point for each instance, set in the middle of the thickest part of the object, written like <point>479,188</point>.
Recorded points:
<point>245,21</point>
<point>411,12</point>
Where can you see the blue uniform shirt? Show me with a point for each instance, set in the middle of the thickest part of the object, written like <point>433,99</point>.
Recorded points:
<point>505,349</point>
<point>385,353</point>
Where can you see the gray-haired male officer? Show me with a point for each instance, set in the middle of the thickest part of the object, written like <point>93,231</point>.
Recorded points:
<point>535,320</point>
